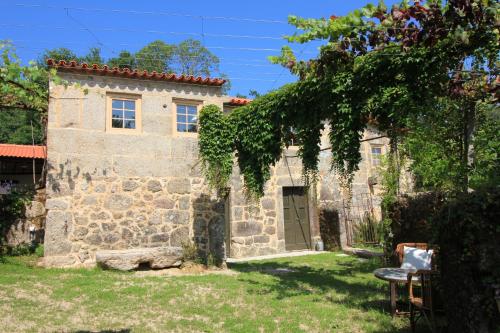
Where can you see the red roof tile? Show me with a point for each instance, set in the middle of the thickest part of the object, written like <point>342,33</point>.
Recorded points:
<point>239,101</point>
<point>73,66</point>
<point>23,151</point>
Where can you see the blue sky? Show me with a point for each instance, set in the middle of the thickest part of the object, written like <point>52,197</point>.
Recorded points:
<point>35,25</point>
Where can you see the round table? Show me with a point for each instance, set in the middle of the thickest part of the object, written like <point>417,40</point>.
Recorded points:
<point>394,275</point>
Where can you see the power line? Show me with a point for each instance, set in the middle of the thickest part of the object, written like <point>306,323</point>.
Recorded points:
<point>254,49</point>
<point>58,45</point>
<point>133,58</point>
<point>251,79</point>
<point>84,27</point>
<point>159,32</point>
<point>204,17</point>
<point>161,13</point>
<point>283,68</point>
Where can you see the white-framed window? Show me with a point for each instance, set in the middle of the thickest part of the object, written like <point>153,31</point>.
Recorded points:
<point>123,113</point>
<point>186,117</point>
<point>376,155</point>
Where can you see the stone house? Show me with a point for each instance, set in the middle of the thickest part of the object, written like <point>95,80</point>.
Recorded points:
<point>123,173</point>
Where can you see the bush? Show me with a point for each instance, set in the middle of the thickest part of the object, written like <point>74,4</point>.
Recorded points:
<point>12,207</point>
<point>190,252</point>
<point>410,217</point>
<point>21,249</point>
<point>39,251</point>
<point>467,231</point>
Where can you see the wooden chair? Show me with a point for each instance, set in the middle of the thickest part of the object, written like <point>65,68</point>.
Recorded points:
<point>399,252</point>
<point>398,257</point>
<point>422,304</point>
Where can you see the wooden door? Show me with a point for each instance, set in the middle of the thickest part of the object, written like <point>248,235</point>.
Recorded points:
<point>296,219</point>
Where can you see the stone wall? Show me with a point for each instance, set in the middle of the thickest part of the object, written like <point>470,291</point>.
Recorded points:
<point>254,225</point>
<point>113,213</point>
<point>30,227</point>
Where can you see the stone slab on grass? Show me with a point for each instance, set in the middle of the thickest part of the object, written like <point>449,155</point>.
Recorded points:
<point>362,253</point>
<point>126,260</point>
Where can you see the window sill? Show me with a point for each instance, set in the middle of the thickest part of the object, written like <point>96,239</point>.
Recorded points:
<point>136,131</point>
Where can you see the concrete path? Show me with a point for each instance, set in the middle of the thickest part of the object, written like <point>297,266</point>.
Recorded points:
<point>275,256</point>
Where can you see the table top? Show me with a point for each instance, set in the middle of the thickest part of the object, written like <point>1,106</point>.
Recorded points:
<point>393,274</point>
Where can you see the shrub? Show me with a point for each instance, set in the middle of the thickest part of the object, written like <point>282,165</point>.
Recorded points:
<point>467,231</point>
<point>12,207</point>
<point>190,252</point>
<point>212,261</point>
<point>39,251</point>
<point>410,217</point>
<point>21,249</point>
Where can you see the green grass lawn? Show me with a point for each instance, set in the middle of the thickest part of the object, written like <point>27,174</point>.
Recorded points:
<point>324,293</point>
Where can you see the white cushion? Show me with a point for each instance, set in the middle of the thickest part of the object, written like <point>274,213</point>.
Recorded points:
<point>415,259</point>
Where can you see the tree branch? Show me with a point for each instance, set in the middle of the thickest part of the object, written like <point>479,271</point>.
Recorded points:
<point>19,85</point>
<point>21,106</point>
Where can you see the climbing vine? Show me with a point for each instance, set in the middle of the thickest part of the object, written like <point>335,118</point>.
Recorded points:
<point>216,146</point>
<point>377,66</point>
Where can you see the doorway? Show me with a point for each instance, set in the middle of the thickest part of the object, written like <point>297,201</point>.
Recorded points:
<point>296,219</point>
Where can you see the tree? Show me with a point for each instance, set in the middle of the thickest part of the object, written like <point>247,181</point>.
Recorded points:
<point>254,93</point>
<point>192,58</point>
<point>156,56</point>
<point>57,54</point>
<point>124,60</point>
<point>20,86</point>
<point>18,124</point>
<point>93,57</point>
<point>189,57</point>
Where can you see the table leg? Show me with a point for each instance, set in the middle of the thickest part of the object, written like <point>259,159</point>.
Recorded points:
<point>394,297</point>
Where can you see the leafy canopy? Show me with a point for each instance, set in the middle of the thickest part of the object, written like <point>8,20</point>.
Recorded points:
<point>24,98</point>
<point>380,66</point>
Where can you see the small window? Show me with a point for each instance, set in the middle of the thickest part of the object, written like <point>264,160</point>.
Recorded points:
<point>123,113</point>
<point>187,118</point>
<point>376,155</point>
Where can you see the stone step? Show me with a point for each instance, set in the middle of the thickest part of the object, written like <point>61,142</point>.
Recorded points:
<point>126,260</point>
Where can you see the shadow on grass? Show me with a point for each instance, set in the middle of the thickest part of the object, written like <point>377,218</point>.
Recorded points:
<point>292,279</point>
<point>343,283</point>
<point>125,330</point>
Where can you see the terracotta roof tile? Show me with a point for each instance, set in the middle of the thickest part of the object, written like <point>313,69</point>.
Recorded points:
<point>73,66</point>
<point>23,151</point>
<point>239,101</point>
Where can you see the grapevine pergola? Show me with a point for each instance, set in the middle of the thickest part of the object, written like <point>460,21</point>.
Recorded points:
<point>379,65</point>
